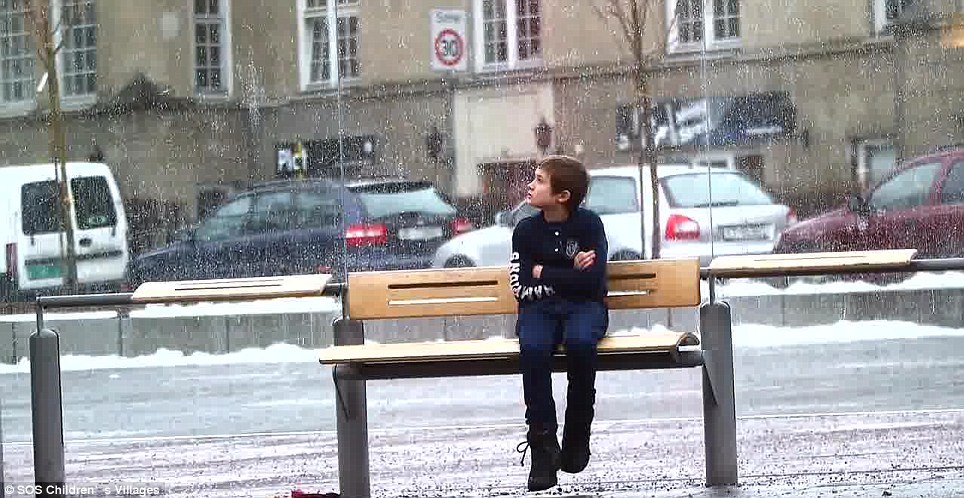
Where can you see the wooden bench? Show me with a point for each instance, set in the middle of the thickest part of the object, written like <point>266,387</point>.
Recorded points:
<point>485,291</point>
<point>231,289</point>
<point>806,264</point>
<point>816,263</point>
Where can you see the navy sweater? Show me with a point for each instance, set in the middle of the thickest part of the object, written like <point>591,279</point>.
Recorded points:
<point>554,245</point>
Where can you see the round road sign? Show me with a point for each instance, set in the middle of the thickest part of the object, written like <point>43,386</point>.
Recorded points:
<point>449,47</point>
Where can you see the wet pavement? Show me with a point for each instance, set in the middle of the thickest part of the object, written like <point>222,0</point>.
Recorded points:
<point>871,454</point>
<point>852,409</point>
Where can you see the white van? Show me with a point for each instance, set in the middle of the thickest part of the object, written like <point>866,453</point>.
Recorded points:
<point>31,232</point>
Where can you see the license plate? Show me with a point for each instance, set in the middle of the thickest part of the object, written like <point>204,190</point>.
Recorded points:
<point>420,233</point>
<point>39,272</point>
<point>746,232</point>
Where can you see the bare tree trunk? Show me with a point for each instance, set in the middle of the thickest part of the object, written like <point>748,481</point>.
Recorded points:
<point>647,153</point>
<point>47,50</point>
<point>59,141</point>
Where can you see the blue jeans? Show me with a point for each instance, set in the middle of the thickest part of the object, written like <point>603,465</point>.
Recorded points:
<point>541,326</point>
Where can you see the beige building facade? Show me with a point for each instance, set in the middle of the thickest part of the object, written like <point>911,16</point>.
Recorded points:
<point>186,97</point>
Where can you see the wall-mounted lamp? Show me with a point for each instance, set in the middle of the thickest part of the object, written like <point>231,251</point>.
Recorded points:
<point>543,133</point>
<point>434,143</point>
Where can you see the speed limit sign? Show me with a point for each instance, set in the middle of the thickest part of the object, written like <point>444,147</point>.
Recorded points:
<point>448,40</point>
<point>449,48</point>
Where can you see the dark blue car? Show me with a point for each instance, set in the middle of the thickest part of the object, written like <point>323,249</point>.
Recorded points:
<point>309,226</point>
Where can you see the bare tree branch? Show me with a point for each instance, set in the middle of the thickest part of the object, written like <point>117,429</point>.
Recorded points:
<point>614,11</point>
<point>60,22</point>
<point>636,21</point>
<point>661,42</point>
<point>622,17</point>
<point>643,6</point>
<point>637,29</point>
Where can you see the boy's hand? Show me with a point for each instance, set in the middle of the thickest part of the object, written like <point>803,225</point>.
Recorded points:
<point>584,259</point>
<point>536,271</point>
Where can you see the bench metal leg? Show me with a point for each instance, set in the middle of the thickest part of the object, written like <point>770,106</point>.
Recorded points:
<point>352,420</point>
<point>719,404</point>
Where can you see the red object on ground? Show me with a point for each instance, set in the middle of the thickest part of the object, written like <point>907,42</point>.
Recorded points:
<point>297,493</point>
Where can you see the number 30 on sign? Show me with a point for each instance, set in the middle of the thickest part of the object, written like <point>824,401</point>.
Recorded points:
<point>449,47</point>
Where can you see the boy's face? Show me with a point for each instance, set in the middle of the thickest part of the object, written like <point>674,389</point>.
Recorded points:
<point>539,193</point>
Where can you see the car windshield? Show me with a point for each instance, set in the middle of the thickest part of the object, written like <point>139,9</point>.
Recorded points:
<point>719,189</point>
<point>393,198</point>
<point>612,194</point>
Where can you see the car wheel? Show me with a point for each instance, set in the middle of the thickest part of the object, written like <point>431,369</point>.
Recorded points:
<point>458,262</point>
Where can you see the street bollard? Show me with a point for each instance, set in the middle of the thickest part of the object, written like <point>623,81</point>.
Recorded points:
<point>46,402</point>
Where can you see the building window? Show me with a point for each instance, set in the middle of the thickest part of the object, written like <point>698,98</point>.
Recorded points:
<point>886,12</point>
<point>79,51</point>
<point>875,159</point>
<point>509,33</point>
<point>16,54</point>
<point>698,24</point>
<point>330,41</point>
<point>211,47</point>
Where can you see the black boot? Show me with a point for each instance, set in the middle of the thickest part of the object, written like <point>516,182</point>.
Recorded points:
<point>545,459</point>
<point>580,402</point>
<point>575,446</point>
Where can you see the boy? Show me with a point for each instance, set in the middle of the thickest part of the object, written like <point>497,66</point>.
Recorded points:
<point>558,276</point>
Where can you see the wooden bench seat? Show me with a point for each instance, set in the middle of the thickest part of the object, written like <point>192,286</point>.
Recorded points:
<point>500,356</point>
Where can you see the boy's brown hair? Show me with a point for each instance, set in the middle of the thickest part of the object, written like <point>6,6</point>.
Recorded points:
<point>566,173</point>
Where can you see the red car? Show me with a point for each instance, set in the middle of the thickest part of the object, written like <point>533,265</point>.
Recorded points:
<point>919,205</point>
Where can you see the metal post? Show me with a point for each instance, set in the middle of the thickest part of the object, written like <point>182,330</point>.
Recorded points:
<point>13,348</point>
<point>48,425</point>
<point>227,334</point>
<point>719,405</point>
<point>351,407</point>
<point>123,318</point>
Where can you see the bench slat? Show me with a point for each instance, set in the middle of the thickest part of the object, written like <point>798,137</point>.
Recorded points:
<point>403,294</point>
<point>485,291</point>
<point>493,349</point>
<point>642,360</point>
<point>754,265</point>
<point>664,283</point>
<point>186,291</point>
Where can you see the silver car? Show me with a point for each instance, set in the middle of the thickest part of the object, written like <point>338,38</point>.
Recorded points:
<point>704,213</point>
